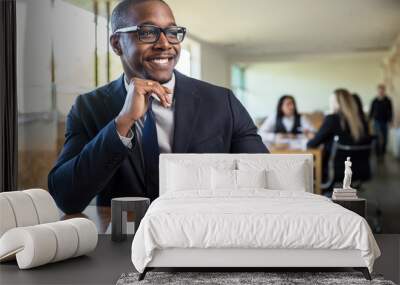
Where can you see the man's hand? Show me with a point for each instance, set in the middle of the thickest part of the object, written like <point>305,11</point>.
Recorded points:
<point>137,102</point>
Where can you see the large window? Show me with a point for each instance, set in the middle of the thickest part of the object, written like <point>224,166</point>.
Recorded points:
<point>189,62</point>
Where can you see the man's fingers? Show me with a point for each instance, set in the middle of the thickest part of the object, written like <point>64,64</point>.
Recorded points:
<point>169,94</point>
<point>160,93</point>
<point>169,91</point>
<point>149,87</point>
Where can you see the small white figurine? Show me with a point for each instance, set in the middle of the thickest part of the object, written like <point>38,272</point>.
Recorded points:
<point>347,174</point>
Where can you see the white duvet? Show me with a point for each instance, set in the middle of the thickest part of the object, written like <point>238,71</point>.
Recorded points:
<point>250,219</point>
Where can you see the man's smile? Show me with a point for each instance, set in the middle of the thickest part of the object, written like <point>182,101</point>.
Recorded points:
<point>161,61</point>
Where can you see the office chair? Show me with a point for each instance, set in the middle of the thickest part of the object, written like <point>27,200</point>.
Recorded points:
<point>360,158</point>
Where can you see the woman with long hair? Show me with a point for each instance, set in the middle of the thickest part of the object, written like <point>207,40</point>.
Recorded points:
<point>286,121</point>
<point>344,122</point>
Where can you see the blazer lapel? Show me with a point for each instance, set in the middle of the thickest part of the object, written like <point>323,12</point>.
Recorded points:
<point>115,101</point>
<point>186,112</point>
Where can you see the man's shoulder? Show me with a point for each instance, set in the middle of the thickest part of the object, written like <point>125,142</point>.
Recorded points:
<point>97,95</point>
<point>96,104</point>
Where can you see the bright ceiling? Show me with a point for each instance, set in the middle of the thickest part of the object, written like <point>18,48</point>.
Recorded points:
<point>254,29</point>
<point>258,28</point>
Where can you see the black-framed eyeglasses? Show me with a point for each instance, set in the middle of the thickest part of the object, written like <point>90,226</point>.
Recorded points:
<point>151,34</point>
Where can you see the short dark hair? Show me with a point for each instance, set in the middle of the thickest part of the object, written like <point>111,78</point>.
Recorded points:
<point>119,14</point>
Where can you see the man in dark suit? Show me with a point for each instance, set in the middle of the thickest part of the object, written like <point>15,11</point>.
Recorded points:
<point>381,115</point>
<point>115,133</point>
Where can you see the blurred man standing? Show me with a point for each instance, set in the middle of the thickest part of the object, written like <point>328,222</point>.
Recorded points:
<point>381,114</point>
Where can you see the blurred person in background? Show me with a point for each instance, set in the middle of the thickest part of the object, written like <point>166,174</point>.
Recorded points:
<point>344,122</point>
<point>381,115</point>
<point>286,122</point>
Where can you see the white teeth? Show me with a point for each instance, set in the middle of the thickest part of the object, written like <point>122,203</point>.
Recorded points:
<point>160,60</point>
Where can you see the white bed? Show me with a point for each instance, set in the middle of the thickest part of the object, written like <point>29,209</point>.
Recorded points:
<point>199,224</point>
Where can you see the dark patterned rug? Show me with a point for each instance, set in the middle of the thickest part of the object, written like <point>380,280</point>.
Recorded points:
<point>242,278</point>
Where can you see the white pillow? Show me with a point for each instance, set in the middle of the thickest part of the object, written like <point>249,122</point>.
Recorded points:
<point>251,178</point>
<point>226,179</point>
<point>280,175</point>
<point>280,180</point>
<point>223,179</point>
<point>188,177</point>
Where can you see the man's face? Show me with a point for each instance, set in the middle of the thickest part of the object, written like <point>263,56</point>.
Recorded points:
<point>155,61</point>
<point>381,90</point>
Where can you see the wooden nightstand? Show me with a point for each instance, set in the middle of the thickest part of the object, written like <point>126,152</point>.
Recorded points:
<point>358,206</point>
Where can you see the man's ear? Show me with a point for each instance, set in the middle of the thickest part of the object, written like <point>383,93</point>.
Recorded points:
<point>114,41</point>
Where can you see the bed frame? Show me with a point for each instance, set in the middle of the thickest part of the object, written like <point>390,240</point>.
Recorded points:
<point>242,259</point>
<point>246,259</point>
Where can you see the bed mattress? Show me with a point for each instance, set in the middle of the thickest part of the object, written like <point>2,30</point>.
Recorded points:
<point>250,219</point>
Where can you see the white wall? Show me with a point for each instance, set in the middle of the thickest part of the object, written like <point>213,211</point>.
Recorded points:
<point>33,56</point>
<point>215,66</point>
<point>34,87</point>
<point>74,53</point>
<point>311,81</point>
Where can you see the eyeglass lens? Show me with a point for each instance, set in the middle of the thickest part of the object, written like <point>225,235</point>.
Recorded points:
<point>151,34</point>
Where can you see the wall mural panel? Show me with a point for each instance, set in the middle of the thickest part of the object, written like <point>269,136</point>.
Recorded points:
<point>391,67</point>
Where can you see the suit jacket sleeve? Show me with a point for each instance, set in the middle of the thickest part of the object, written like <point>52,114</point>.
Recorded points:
<point>390,111</point>
<point>85,165</point>
<point>244,137</point>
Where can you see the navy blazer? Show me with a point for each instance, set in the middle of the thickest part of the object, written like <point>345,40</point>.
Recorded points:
<point>94,161</point>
